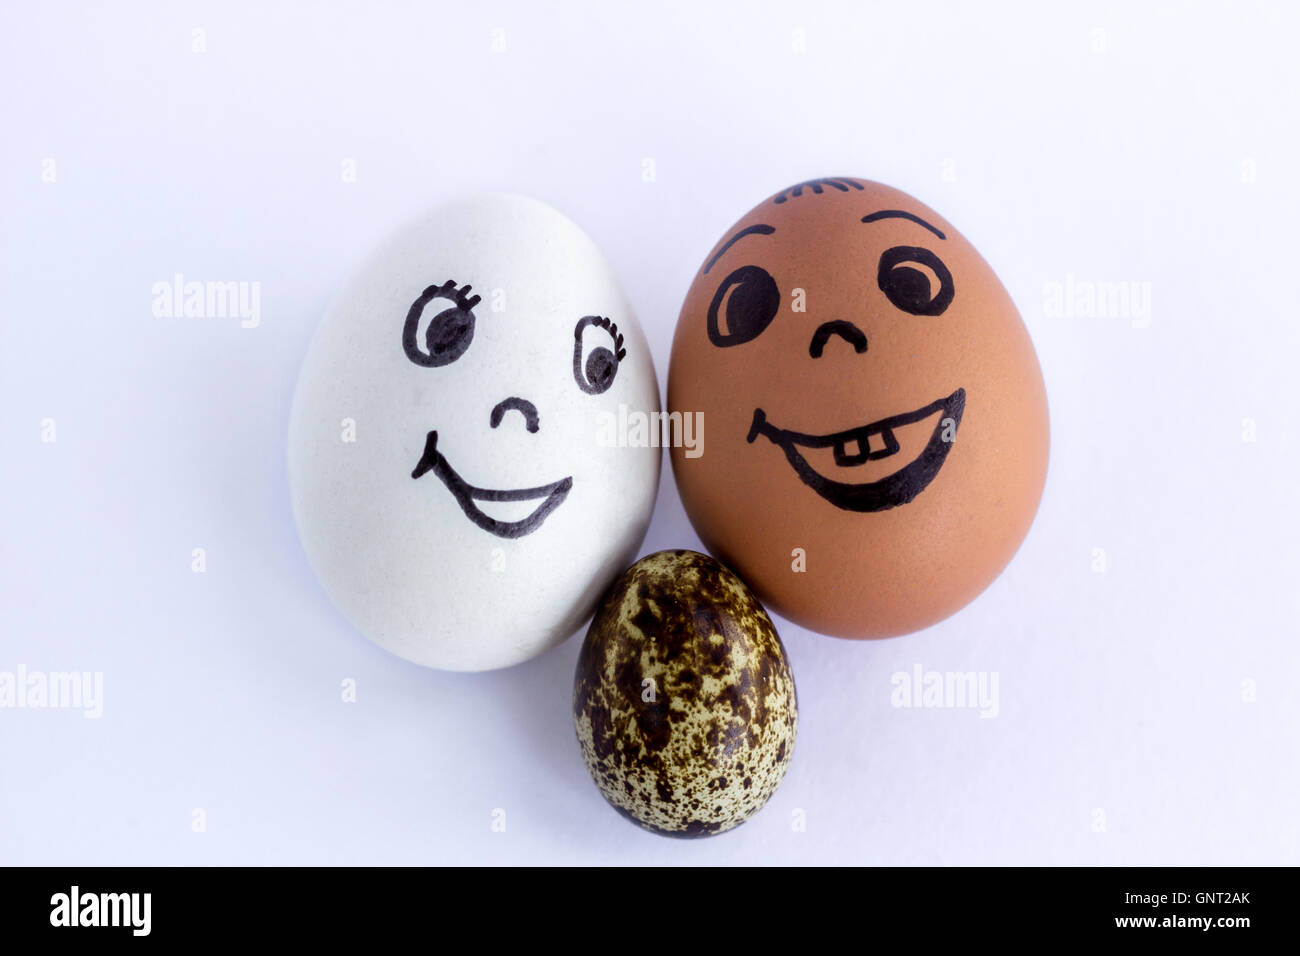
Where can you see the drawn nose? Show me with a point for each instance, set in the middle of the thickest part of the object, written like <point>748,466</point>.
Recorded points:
<point>846,330</point>
<point>521,405</point>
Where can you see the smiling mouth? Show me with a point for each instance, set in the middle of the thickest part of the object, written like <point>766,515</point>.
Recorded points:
<point>552,495</point>
<point>872,442</point>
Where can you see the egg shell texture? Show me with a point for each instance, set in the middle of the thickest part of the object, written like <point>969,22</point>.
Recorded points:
<point>712,743</point>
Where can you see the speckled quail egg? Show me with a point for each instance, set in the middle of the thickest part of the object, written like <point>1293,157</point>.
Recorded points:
<point>683,699</point>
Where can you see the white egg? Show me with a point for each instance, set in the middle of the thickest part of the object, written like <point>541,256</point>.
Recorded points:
<point>463,476</point>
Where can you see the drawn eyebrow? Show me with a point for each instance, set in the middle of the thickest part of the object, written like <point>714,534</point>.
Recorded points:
<point>900,214</point>
<point>760,230</point>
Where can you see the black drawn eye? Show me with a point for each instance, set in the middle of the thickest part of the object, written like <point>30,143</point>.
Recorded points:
<point>440,325</point>
<point>597,350</point>
<point>744,305</point>
<point>915,280</point>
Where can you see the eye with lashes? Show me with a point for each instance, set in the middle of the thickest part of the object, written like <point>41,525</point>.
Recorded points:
<point>595,373</point>
<point>447,333</point>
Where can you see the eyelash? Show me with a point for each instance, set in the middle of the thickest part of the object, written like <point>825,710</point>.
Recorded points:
<point>458,294</point>
<point>612,329</point>
<point>442,342</point>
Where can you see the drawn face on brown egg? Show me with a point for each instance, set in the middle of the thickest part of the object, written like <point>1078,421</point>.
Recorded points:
<point>875,424</point>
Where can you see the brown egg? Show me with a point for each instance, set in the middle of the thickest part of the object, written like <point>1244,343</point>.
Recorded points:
<point>875,423</point>
<point>683,699</point>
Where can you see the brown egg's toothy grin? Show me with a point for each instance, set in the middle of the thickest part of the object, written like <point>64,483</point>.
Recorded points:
<point>871,442</point>
<point>466,494</point>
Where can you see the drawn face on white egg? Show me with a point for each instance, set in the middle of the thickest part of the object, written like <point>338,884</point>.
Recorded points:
<point>454,483</point>
<point>439,329</point>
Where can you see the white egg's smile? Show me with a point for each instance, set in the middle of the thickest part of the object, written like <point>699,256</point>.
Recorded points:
<point>466,495</point>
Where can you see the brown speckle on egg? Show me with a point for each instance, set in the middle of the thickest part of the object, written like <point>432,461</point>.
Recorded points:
<point>683,699</point>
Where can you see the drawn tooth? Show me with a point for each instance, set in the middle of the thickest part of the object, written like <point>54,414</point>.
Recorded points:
<point>850,448</point>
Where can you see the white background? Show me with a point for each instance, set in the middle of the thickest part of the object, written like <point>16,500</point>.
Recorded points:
<point>1118,142</point>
